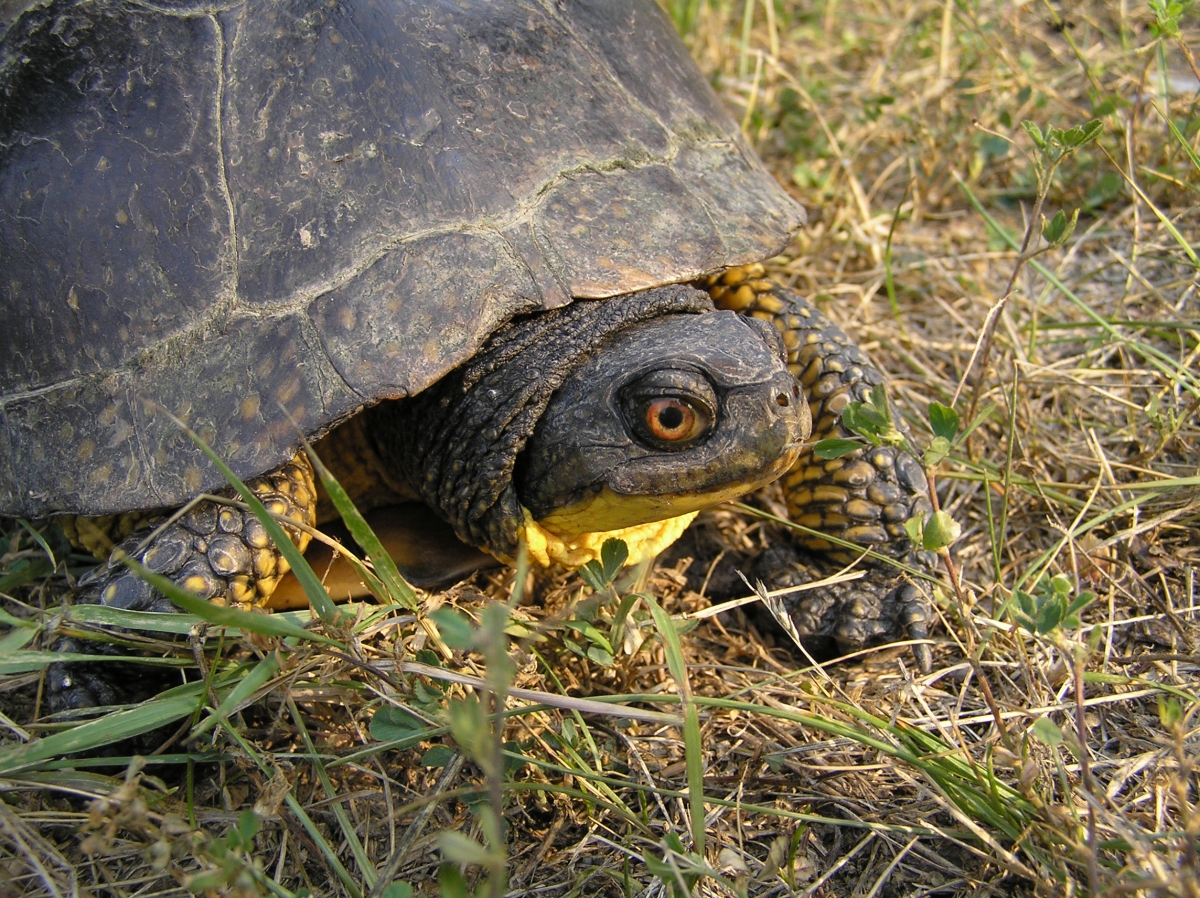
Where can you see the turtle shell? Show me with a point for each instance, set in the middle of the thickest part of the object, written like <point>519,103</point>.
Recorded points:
<point>257,217</point>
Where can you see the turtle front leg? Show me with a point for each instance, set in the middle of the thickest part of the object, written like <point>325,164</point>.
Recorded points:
<point>864,498</point>
<point>215,551</point>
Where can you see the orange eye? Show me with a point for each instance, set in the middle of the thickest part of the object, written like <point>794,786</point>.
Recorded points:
<point>673,420</point>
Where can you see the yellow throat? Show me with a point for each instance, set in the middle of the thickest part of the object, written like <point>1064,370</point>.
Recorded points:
<point>643,540</point>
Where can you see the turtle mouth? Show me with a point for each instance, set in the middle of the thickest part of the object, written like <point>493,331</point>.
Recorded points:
<point>610,509</point>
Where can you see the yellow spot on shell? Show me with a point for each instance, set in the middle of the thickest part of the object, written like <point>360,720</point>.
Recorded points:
<point>288,391</point>
<point>767,301</point>
<point>257,537</point>
<point>866,533</point>
<point>249,407</point>
<point>862,510</point>
<point>264,562</point>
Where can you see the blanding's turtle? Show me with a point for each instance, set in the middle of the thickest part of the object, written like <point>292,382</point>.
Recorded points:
<point>501,255</point>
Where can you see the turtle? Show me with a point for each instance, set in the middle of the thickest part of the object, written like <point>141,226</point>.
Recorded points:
<point>502,258</point>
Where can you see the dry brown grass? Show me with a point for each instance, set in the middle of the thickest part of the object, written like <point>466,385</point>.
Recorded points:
<point>885,117</point>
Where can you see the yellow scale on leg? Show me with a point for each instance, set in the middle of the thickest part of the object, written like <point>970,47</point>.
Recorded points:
<point>219,552</point>
<point>864,497</point>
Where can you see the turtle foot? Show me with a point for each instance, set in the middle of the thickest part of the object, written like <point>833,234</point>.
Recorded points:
<point>881,607</point>
<point>213,550</point>
<point>82,685</point>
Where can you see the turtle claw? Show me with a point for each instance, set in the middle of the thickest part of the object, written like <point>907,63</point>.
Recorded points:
<point>82,685</point>
<point>78,687</point>
<point>915,614</point>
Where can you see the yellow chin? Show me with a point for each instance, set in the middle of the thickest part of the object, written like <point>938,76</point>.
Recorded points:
<point>573,535</point>
<point>644,541</point>
<point>607,511</point>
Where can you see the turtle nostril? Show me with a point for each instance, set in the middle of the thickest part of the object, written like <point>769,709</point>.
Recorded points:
<point>782,400</point>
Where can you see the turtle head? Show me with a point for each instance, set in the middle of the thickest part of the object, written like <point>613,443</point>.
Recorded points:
<point>672,415</point>
<point>579,423</point>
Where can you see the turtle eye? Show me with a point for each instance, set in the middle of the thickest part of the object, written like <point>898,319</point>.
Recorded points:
<point>669,408</point>
<point>673,420</point>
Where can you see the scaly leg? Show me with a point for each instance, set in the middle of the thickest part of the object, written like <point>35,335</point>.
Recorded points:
<point>214,551</point>
<point>864,498</point>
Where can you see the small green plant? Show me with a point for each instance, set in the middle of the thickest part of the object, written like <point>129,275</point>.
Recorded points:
<point>1167,16</point>
<point>873,421</point>
<point>227,863</point>
<point>1048,608</point>
<point>679,870</point>
<point>234,868</point>
<point>1056,145</point>
<point>599,575</point>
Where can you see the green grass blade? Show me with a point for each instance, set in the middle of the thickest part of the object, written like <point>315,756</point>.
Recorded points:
<point>15,640</point>
<point>146,621</point>
<point>241,693</point>
<point>349,833</point>
<point>26,661</point>
<point>263,624</point>
<point>1162,362</point>
<point>181,622</point>
<point>393,585</point>
<point>164,709</point>
<point>693,747</point>
<point>317,596</point>
<point>1164,220</point>
<point>1179,138</point>
<point>9,620</point>
<point>25,573</point>
<point>310,827</point>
